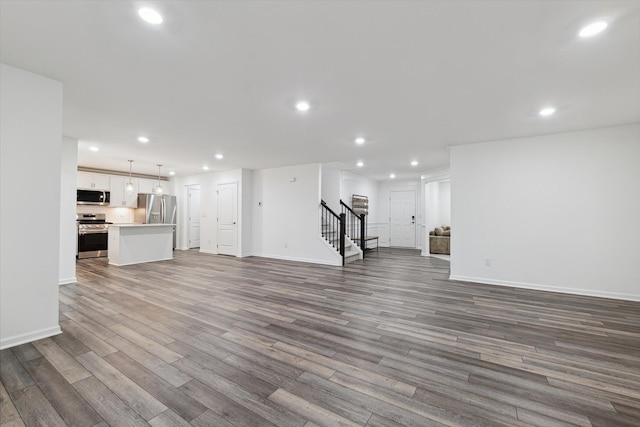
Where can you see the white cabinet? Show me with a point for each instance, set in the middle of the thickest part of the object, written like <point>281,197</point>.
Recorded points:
<point>146,185</point>
<point>119,195</point>
<point>149,185</point>
<point>116,185</point>
<point>167,188</point>
<point>94,181</point>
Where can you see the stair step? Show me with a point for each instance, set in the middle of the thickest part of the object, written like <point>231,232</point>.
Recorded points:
<point>334,242</point>
<point>351,258</point>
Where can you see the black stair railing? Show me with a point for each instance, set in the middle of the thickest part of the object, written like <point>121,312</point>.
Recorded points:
<point>333,228</point>
<point>355,226</point>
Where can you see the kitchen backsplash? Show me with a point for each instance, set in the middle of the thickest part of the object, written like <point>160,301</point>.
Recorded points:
<point>115,215</point>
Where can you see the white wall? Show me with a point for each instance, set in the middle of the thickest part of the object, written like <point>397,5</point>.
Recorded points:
<point>438,204</point>
<point>351,184</point>
<point>286,218</point>
<point>30,153</point>
<point>330,190</point>
<point>68,231</point>
<point>558,212</point>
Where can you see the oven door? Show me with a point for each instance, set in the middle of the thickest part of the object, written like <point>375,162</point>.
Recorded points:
<point>92,243</point>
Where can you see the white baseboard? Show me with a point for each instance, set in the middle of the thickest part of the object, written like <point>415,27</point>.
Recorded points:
<point>68,280</point>
<point>29,337</point>
<point>297,259</point>
<point>548,288</point>
<point>206,251</point>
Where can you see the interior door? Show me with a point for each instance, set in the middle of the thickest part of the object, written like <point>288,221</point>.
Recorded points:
<point>228,219</point>
<point>402,219</point>
<point>194,216</point>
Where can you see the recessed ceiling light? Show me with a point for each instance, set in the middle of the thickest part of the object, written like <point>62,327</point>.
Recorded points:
<point>219,156</point>
<point>593,29</point>
<point>151,16</point>
<point>143,139</point>
<point>172,173</point>
<point>360,164</point>
<point>548,111</point>
<point>94,149</point>
<point>414,163</point>
<point>393,175</point>
<point>360,140</point>
<point>303,106</point>
<point>206,168</point>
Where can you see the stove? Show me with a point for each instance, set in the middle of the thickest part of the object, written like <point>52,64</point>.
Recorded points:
<point>93,235</point>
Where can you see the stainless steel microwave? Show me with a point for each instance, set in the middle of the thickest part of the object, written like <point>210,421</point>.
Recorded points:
<point>93,197</point>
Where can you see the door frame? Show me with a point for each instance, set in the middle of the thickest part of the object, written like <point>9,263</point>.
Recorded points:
<point>415,216</point>
<point>189,189</point>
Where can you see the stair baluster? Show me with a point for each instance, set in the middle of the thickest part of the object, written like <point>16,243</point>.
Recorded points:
<point>355,227</point>
<point>333,228</point>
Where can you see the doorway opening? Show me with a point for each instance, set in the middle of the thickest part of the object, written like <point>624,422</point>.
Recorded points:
<point>437,197</point>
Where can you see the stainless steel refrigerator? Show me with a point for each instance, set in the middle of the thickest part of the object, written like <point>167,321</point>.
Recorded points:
<point>157,209</point>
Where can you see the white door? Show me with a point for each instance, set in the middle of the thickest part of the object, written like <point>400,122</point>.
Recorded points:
<point>228,219</point>
<point>193,216</point>
<point>402,219</point>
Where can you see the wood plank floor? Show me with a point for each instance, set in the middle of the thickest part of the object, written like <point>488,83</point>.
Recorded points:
<point>208,340</point>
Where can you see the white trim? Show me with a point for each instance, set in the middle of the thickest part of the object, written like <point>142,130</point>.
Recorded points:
<point>548,288</point>
<point>311,261</point>
<point>436,175</point>
<point>68,280</point>
<point>353,245</point>
<point>205,251</point>
<point>29,337</point>
<point>330,246</point>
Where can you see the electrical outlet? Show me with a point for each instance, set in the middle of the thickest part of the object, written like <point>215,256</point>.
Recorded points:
<point>487,262</point>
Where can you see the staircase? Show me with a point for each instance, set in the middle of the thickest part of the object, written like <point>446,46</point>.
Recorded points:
<point>355,226</point>
<point>333,229</point>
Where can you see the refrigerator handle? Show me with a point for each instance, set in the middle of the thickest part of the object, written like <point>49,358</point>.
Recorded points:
<point>163,210</point>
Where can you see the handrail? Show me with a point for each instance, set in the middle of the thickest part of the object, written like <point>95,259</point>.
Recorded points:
<point>333,228</point>
<point>355,226</point>
<point>348,208</point>
<point>323,203</point>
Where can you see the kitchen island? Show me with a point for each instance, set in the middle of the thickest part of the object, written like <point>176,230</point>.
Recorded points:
<point>138,243</point>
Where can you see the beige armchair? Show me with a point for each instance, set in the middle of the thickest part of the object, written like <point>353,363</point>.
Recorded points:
<point>440,240</point>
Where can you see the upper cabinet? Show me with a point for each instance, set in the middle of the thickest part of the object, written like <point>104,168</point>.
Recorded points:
<point>93,181</point>
<point>149,186</point>
<point>120,197</point>
<point>146,185</point>
<point>116,184</point>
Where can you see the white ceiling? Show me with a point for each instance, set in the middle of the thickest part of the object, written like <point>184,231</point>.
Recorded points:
<point>413,77</point>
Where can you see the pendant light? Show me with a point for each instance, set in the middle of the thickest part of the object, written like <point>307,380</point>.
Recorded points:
<point>158,189</point>
<point>129,187</point>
